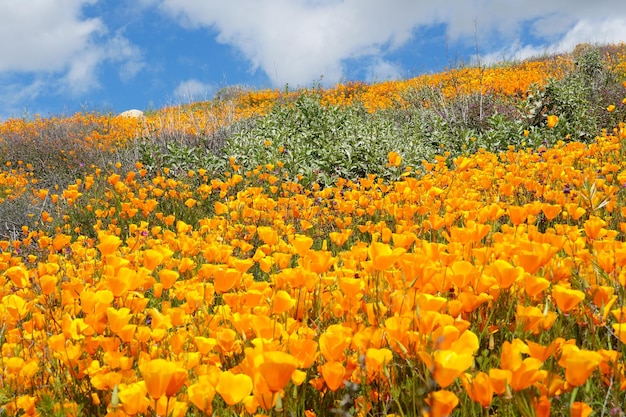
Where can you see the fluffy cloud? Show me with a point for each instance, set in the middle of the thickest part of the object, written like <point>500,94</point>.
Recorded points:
<point>43,35</point>
<point>607,30</point>
<point>297,41</point>
<point>55,38</point>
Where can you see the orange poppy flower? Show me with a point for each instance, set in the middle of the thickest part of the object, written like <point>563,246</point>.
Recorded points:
<point>233,388</point>
<point>449,365</point>
<point>282,302</point>
<point>170,407</point>
<point>511,356</point>
<point>224,279</point>
<point>542,406</point>
<point>266,264</point>
<point>205,344</point>
<point>127,333</point>
<point>471,301</point>
<point>298,377</point>
<point>48,284</point>
<point>517,214</point>
<point>251,404</point>
<point>478,388</point>
<point>268,235</point>
<point>566,298</point>
<point>574,210</point>
<point>441,403</point>
<point>500,379</point>
<point>120,282</point>
<point>318,261</point>
<point>551,210</point>
<point>462,163</point>
<point>467,343</point>
<point>595,228</point>
<point>526,374</point>
<point>540,352</point>
<point>18,275</point>
<point>302,244</point>
<point>333,373</point>
<point>443,335</point>
<point>579,364</point>
<point>133,398</point>
<point>168,277</point>
<point>620,330</point>
<point>162,377</point>
<point>152,258</point>
<point>535,285</point>
<point>227,340</point>
<point>14,365</point>
<point>334,341</point>
<point>376,360</point>
<point>505,273</point>
<point>186,264</point>
<point>17,307</point>
<point>241,265</point>
<point>339,238</point>
<point>117,319</point>
<point>108,244</point>
<point>220,208</point>
<point>552,121</point>
<point>201,394</point>
<point>534,319</point>
<point>580,409</point>
<point>304,350</point>
<point>276,368</point>
<point>60,241</point>
<point>394,159</point>
<point>463,274</point>
<point>383,256</point>
<point>530,261</point>
<point>27,403</point>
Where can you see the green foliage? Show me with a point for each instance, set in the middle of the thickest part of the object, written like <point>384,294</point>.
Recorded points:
<point>580,100</point>
<point>177,157</point>
<point>320,143</point>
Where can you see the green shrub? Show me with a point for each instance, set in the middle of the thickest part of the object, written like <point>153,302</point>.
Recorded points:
<point>580,99</point>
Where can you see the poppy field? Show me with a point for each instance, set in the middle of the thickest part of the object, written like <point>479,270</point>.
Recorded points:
<point>454,244</point>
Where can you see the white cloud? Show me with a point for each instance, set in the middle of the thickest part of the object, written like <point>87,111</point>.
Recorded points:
<point>193,90</point>
<point>55,42</point>
<point>382,70</point>
<point>15,96</point>
<point>44,35</point>
<point>601,31</point>
<point>129,57</point>
<point>297,41</point>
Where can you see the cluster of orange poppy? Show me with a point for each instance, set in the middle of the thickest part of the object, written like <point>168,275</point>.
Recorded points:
<point>284,287</point>
<point>13,183</point>
<point>503,81</point>
<point>99,131</point>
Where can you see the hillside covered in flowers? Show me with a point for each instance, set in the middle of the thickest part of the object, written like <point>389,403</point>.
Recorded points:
<point>452,244</point>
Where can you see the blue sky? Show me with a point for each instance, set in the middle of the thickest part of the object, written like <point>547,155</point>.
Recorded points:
<point>63,56</point>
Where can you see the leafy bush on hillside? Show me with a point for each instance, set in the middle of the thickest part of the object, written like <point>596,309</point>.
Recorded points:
<point>321,142</point>
<point>580,99</point>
